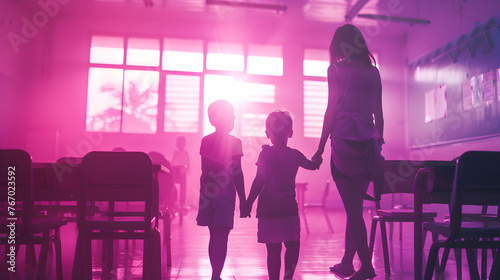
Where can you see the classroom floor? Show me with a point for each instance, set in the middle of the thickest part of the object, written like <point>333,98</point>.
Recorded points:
<point>246,259</point>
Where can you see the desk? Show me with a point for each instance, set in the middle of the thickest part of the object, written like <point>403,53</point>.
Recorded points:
<point>58,182</point>
<point>432,185</point>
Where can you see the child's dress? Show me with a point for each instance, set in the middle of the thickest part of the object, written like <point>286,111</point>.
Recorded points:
<point>217,189</point>
<point>277,208</point>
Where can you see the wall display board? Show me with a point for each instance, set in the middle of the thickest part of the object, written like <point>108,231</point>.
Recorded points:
<point>454,92</point>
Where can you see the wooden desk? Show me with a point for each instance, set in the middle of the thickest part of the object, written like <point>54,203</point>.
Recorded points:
<point>432,185</point>
<point>57,183</point>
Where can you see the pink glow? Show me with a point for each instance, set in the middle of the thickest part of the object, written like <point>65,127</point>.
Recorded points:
<point>182,95</point>
<point>182,55</point>
<point>315,101</point>
<point>104,99</point>
<point>143,52</point>
<point>140,102</point>
<point>225,56</point>
<point>272,66</point>
<point>315,63</point>
<point>107,50</point>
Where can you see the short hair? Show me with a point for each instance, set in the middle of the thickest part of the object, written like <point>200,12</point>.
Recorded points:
<point>220,113</point>
<point>279,122</point>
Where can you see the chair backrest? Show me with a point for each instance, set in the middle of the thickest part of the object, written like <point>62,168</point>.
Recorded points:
<point>16,188</point>
<point>476,182</point>
<point>399,176</point>
<point>116,177</point>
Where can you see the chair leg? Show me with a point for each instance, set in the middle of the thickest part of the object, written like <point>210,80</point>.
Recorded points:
<point>458,261</point>
<point>305,220</point>
<point>373,231</point>
<point>495,266</point>
<point>166,238</point>
<point>330,227</point>
<point>431,262</point>
<point>155,252</point>
<point>385,247</point>
<point>42,259</point>
<point>472,261</point>
<point>484,263</point>
<point>58,249</point>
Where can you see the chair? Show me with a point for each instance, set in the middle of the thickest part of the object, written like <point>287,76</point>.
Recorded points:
<point>399,178</point>
<point>114,179</point>
<point>476,182</point>
<point>19,223</point>
<point>165,186</point>
<point>301,193</point>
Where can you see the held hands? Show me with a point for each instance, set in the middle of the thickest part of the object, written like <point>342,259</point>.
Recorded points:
<point>317,161</point>
<point>245,209</point>
<point>316,158</point>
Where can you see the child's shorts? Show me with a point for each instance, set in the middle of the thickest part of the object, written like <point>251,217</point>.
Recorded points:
<point>277,230</point>
<point>217,211</point>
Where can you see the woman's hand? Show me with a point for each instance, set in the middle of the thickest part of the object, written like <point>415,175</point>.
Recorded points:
<point>318,154</point>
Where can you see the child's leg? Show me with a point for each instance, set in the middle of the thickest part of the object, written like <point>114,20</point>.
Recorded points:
<point>217,249</point>
<point>291,258</point>
<point>273,260</point>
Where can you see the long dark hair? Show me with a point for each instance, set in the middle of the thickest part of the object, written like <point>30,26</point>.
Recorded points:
<point>349,44</point>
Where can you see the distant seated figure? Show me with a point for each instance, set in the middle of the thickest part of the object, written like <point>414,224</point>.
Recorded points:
<point>118,149</point>
<point>180,168</point>
<point>167,191</point>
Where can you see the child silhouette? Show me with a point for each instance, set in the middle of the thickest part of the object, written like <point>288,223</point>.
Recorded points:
<point>221,179</point>
<point>274,184</point>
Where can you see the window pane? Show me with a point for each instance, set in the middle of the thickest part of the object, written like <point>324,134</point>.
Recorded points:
<point>182,55</point>
<point>253,125</point>
<point>315,102</point>
<point>107,50</point>
<point>265,60</point>
<point>316,63</point>
<point>144,52</point>
<point>218,87</point>
<point>104,99</point>
<point>140,103</point>
<point>255,92</point>
<point>182,95</point>
<point>223,56</point>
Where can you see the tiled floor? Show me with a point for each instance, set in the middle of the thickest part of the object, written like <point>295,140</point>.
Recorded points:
<point>246,258</point>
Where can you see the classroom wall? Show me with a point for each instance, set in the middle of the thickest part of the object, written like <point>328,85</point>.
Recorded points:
<point>451,19</point>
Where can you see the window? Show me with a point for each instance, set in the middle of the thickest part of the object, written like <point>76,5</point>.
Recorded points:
<point>265,60</point>
<point>182,103</point>
<point>247,98</point>
<point>144,52</point>
<point>225,56</point>
<point>183,55</point>
<point>123,93</point>
<point>315,102</point>
<point>104,99</point>
<point>107,50</point>
<point>129,75</point>
<point>316,63</point>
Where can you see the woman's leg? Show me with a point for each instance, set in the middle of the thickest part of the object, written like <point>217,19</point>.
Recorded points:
<point>273,260</point>
<point>351,192</point>
<point>350,250</point>
<point>291,258</point>
<point>217,249</point>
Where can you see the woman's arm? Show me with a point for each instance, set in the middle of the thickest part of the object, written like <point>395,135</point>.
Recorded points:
<point>331,110</point>
<point>379,115</point>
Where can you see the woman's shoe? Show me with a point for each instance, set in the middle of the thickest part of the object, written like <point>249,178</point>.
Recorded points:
<point>363,275</point>
<point>341,272</point>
